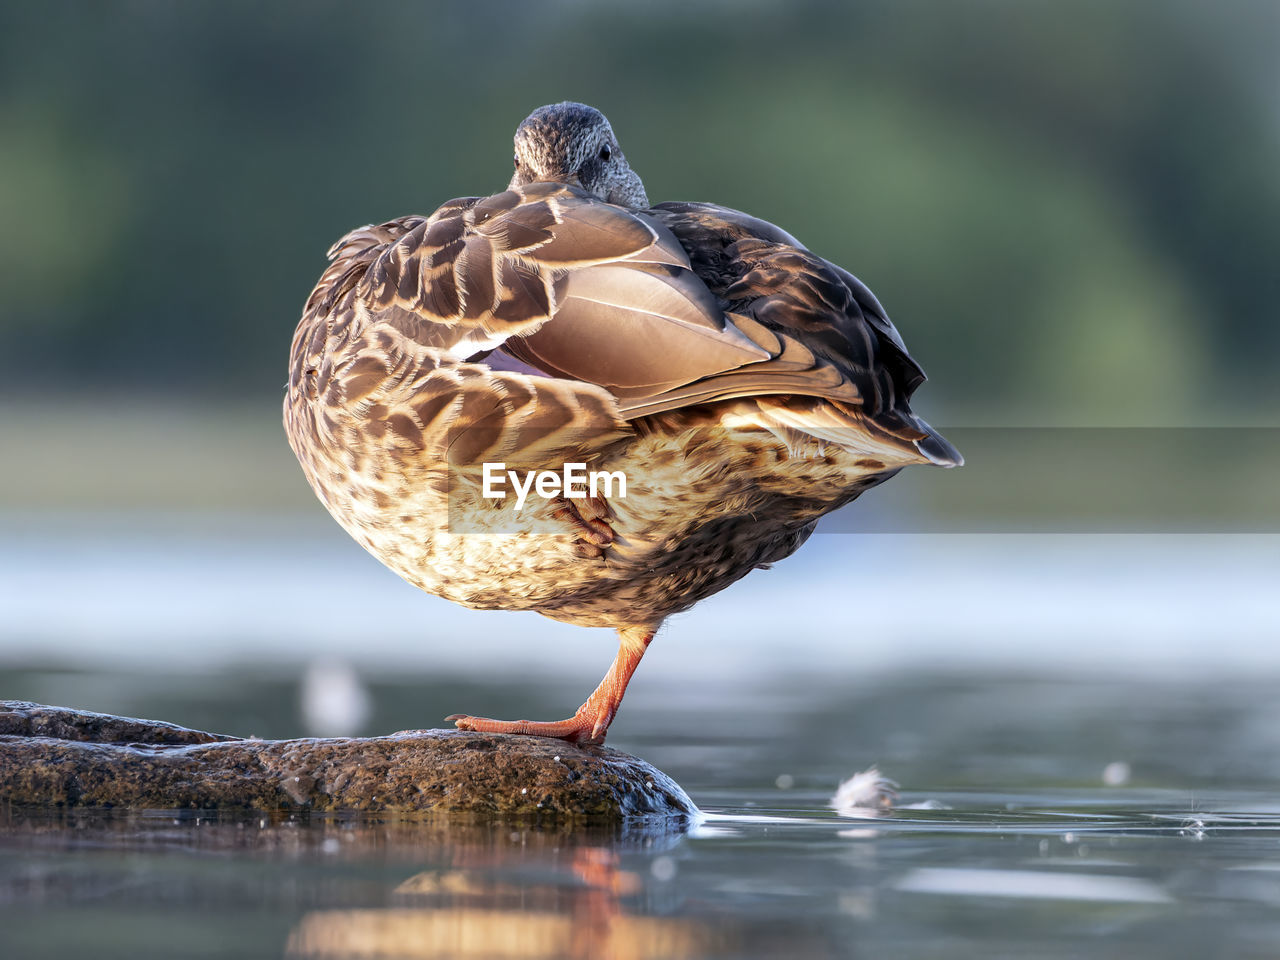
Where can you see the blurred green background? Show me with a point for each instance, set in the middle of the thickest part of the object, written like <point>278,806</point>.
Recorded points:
<point>1071,210</point>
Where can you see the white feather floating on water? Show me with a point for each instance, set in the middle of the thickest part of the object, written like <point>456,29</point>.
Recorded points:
<point>865,794</point>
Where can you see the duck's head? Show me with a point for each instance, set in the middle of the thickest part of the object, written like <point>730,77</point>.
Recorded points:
<point>573,143</point>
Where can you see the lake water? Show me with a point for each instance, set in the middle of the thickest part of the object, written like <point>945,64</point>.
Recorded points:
<point>1085,732</point>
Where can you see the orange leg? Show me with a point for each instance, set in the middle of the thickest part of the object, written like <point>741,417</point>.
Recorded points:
<point>591,722</point>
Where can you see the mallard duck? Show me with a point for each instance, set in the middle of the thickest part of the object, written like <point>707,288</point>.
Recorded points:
<point>740,385</point>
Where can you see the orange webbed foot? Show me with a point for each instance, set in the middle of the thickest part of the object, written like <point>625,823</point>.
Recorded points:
<point>591,721</point>
<point>587,518</point>
<point>584,727</point>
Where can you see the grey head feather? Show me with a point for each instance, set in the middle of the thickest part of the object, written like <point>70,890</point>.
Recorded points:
<point>574,143</point>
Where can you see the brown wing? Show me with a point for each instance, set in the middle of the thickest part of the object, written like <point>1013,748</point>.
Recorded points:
<point>405,304</point>
<point>737,308</point>
<point>649,328</point>
<point>622,313</point>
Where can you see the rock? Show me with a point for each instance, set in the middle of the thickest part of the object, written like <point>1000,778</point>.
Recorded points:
<point>54,757</point>
<point>21,719</point>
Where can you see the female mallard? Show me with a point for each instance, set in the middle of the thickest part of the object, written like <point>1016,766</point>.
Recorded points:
<point>740,385</point>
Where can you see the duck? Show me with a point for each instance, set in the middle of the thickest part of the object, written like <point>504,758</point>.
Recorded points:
<point>727,386</point>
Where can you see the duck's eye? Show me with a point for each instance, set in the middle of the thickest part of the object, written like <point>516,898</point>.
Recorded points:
<point>605,152</point>
<point>516,160</point>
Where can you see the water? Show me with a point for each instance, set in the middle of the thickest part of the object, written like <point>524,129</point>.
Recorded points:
<point>1085,731</point>
<point>1006,842</point>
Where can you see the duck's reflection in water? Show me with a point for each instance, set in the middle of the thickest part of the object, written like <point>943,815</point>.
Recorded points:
<point>365,888</point>
<point>537,895</point>
<point>463,913</point>
<point>527,894</point>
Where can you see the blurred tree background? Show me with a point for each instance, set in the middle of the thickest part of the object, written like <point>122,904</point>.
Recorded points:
<point>1071,210</point>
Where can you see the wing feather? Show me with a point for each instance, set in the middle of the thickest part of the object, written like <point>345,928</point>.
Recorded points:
<point>592,316</point>
<point>768,276</point>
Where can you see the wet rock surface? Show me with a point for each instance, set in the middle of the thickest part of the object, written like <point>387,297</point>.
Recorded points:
<point>55,757</point>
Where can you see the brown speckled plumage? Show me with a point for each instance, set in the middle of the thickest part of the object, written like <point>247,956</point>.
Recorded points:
<point>743,385</point>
